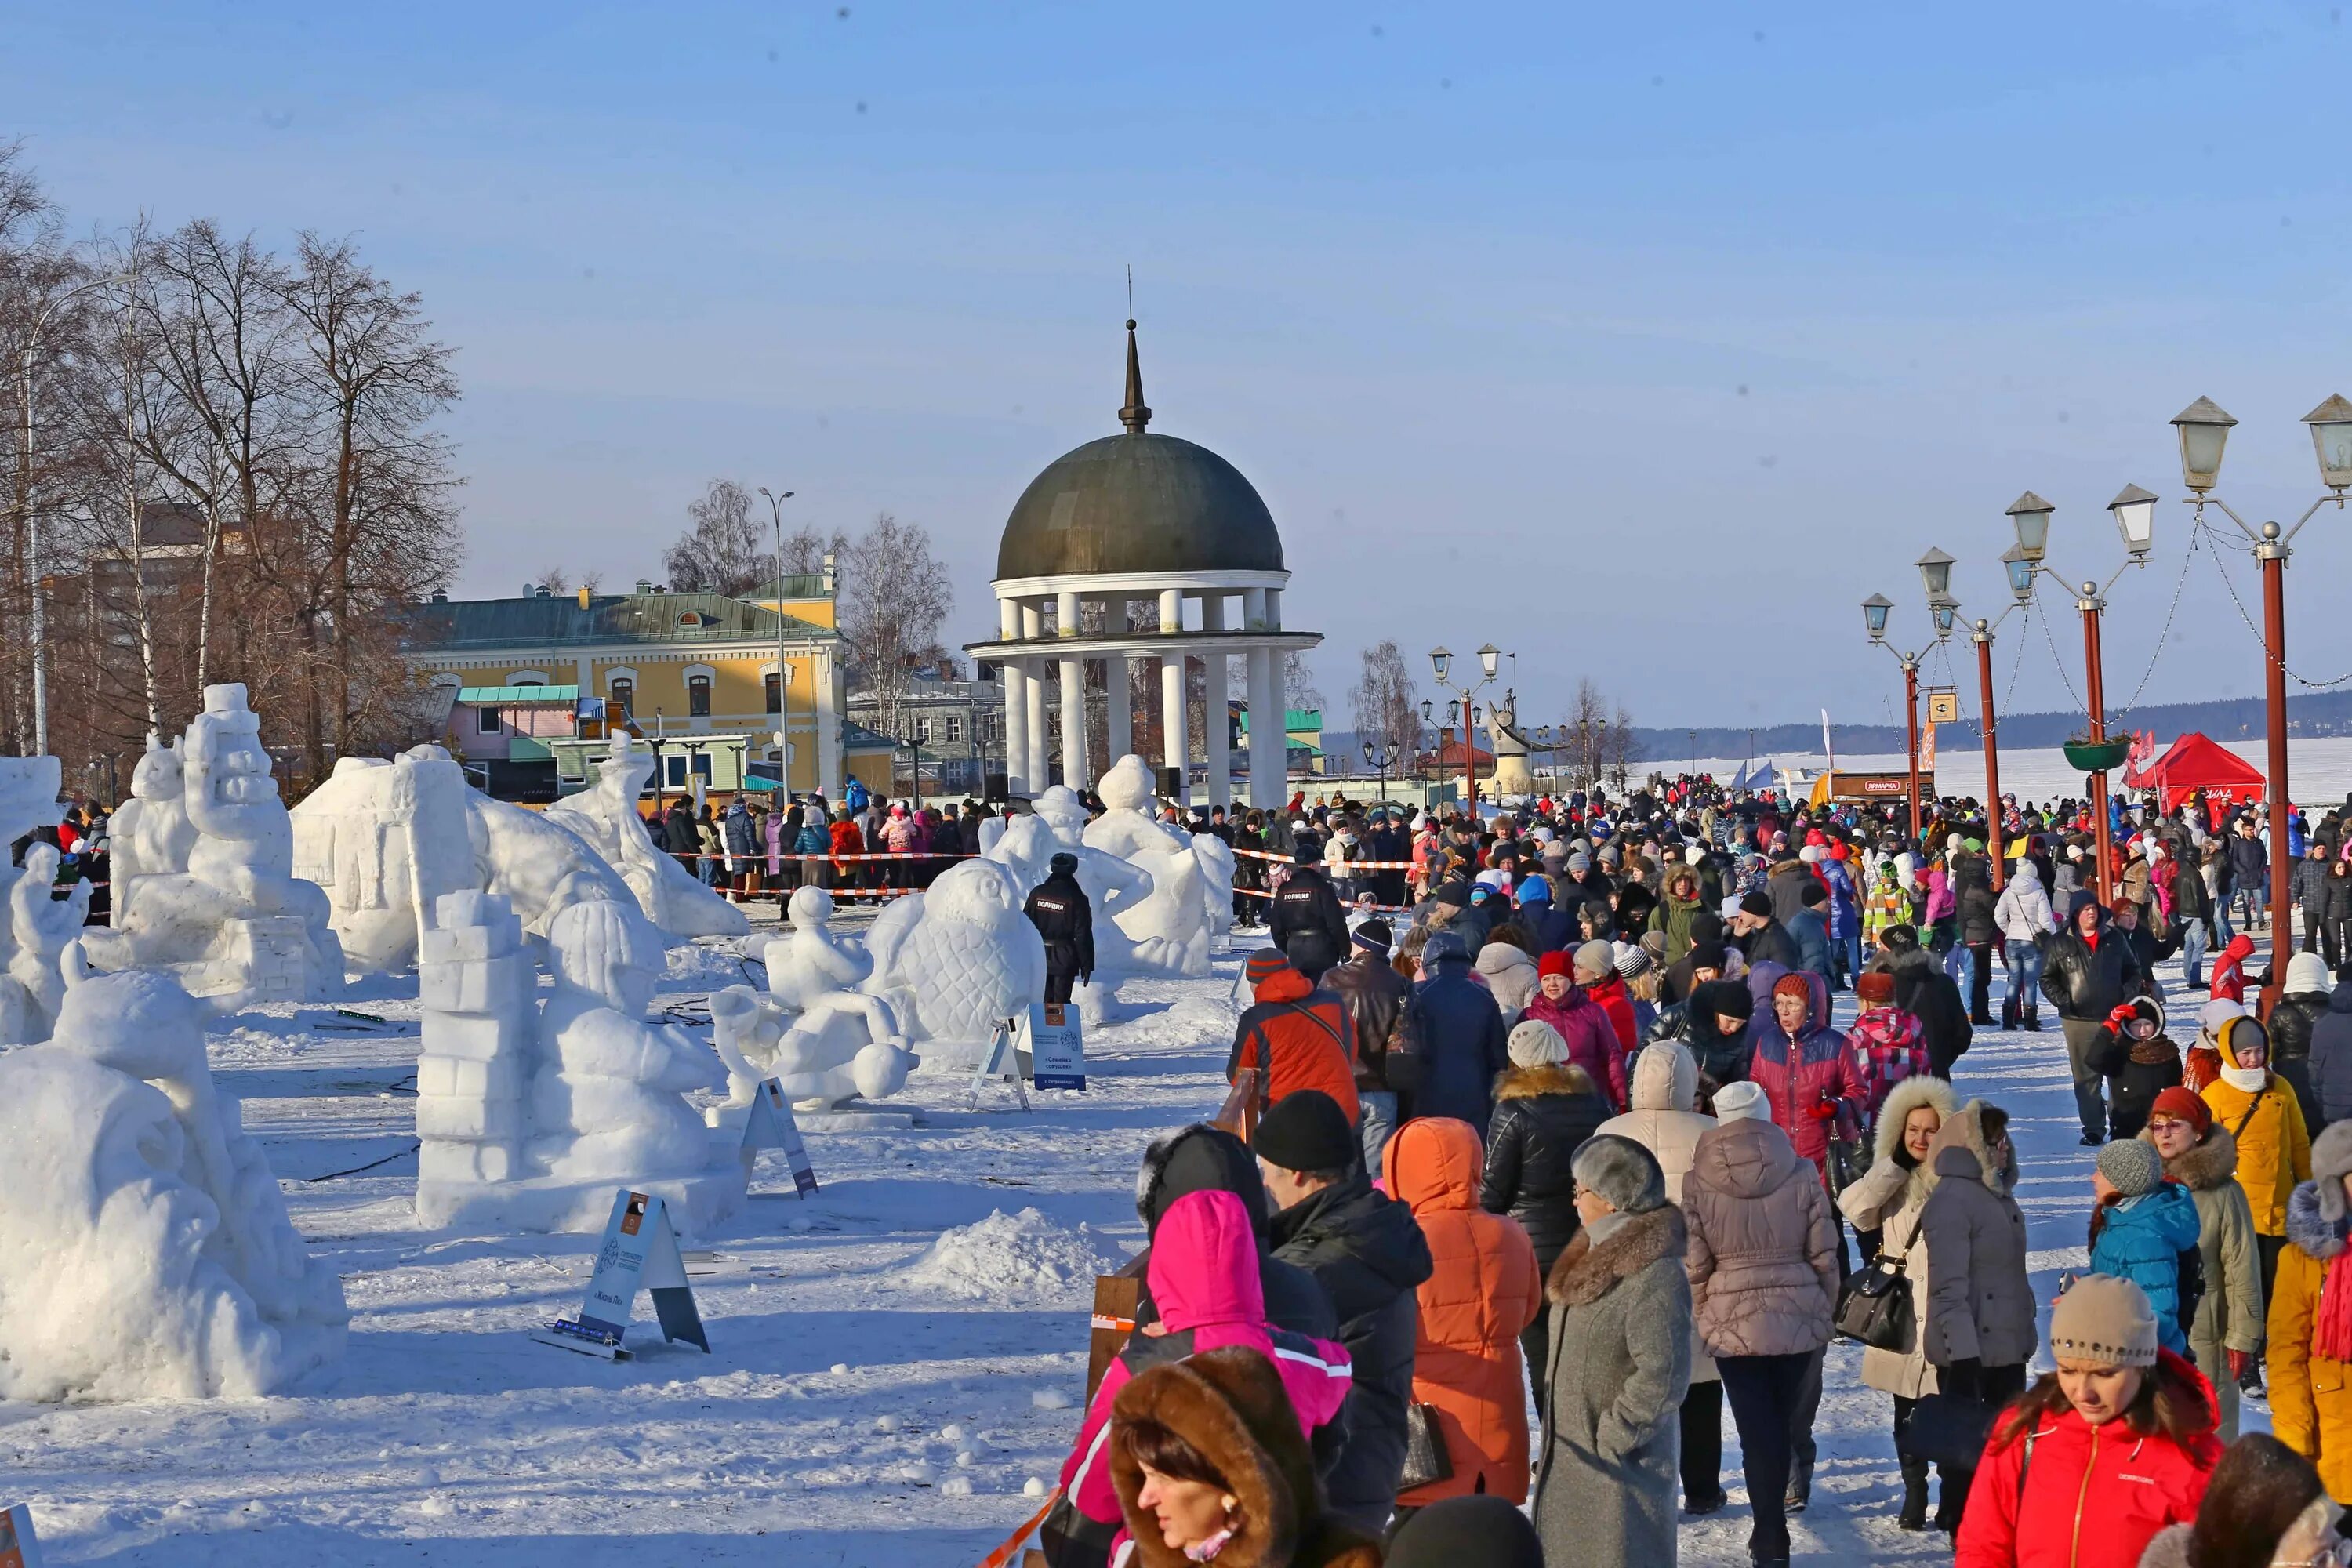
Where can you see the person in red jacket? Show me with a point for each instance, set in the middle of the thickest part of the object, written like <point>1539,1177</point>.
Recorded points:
<point>2095,1459</point>
<point>1805,1068</point>
<point>2230,969</point>
<point>1297,1037</point>
<point>1594,967</point>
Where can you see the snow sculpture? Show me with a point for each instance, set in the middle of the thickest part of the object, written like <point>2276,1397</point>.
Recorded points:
<point>28,799</point>
<point>606,817</point>
<point>42,927</point>
<point>150,831</point>
<point>232,921</point>
<point>818,1034</point>
<point>387,840</point>
<point>145,1249</point>
<point>1170,926</point>
<point>477,982</point>
<point>1027,847</point>
<point>607,1100</point>
<point>965,954</point>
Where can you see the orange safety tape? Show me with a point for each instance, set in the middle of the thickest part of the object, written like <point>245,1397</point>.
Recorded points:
<point>1003,1555</point>
<point>1121,1325</point>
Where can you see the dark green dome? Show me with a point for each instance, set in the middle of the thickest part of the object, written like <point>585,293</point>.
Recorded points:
<point>1138,502</point>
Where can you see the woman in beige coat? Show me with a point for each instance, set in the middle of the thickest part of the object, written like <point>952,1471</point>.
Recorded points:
<point>1663,1090</point>
<point>1888,1200</point>
<point>1763,1269</point>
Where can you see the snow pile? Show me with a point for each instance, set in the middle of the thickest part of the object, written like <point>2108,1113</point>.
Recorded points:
<point>1022,1258</point>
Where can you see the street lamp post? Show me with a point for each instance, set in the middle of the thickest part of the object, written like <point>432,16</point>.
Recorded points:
<point>2133,510</point>
<point>1383,757</point>
<point>2204,430</point>
<point>1441,664</point>
<point>1875,611</point>
<point>783,670</point>
<point>2020,585</point>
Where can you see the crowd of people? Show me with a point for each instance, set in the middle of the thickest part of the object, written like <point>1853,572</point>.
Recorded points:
<point>1557,1150</point>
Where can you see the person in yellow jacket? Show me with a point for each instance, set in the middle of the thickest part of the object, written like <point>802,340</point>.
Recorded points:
<point>2310,1325</point>
<point>2262,1115</point>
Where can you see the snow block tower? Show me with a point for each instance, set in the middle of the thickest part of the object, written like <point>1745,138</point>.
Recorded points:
<point>476,980</point>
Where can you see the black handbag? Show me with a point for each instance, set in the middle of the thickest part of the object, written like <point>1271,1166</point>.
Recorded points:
<point>1425,1459</point>
<point>1948,1430</point>
<point>1875,1305</point>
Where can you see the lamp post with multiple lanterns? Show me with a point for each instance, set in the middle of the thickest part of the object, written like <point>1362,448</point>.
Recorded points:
<point>1936,572</point>
<point>1383,757</point>
<point>2204,430</point>
<point>1441,664</point>
<point>2133,510</point>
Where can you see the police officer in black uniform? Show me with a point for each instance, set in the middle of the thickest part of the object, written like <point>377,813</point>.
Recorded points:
<point>1307,922</point>
<point>1064,918</point>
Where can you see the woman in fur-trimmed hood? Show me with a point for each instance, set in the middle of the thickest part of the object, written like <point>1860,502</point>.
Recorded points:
<point>1620,1365</point>
<point>1209,1465</point>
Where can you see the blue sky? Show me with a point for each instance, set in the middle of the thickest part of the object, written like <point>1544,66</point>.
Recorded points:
<point>1643,342</point>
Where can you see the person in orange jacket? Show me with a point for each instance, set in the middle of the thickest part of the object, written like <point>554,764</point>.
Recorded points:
<point>2095,1459</point>
<point>1485,1290</point>
<point>1296,1037</point>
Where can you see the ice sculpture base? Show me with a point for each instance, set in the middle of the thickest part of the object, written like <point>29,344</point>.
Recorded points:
<point>697,1203</point>
<point>854,1119</point>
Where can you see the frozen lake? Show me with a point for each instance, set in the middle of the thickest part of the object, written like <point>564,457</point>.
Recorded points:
<point>2319,770</point>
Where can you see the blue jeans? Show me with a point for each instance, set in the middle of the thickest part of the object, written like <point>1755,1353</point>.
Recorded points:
<point>2024,962</point>
<point>1852,944</point>
<point>2192,951</point>
<point>1960,963</point>
<point>1378,1109</point>
<point>2221,932</point>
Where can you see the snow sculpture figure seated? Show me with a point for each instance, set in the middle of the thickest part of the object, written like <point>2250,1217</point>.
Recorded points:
<point>41,927</point>
<point>28,799</point>
<point>1171,927</point>
<point>387,840</point>
<point>1027,847</point>
<point>605,816</point>
<point>819,1034</point>
<point>963,953</point>
<point>150,831</point>
<point>607,1099</point>
<point>234,924</point>
<point>166,1266</point>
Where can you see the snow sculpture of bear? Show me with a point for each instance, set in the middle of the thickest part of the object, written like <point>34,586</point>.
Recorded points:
<point>963,953</point>
<point>605,816</point>
<point>145,1246</point>
<point>233,922</point>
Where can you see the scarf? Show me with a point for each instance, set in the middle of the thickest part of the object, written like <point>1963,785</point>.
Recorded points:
<point>2332,1327</point>
<point>2249,1081</point>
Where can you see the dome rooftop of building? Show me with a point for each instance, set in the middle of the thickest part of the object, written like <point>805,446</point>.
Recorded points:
<point>1138,502</point>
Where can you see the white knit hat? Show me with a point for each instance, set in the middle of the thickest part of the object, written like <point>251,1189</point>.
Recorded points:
<point>1535,1044</point>
<point>1741,1101</point>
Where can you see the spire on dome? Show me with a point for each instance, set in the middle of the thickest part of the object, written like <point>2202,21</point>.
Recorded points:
<point>1135,416</point>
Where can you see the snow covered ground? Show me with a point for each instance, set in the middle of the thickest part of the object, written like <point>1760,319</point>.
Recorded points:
<point>875,1395</point>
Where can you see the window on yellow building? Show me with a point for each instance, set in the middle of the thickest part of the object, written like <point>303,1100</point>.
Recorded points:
<point>697,696</point>
<point>775,685</point>
<point>625,692</point>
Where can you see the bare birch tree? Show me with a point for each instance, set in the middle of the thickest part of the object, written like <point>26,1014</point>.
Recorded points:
<point>894,598</point>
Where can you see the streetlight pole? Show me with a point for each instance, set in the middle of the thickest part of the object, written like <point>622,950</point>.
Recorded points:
<point>783,670</point>
<point>1441,664</point>
<point>1875,611</point>
<point>2204,430</point>
<point>2133,510</point>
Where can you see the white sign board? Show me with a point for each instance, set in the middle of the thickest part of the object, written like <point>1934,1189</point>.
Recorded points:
<point>997,1066</point>
<point>17,1547</point>
<point>771,1125</point>
<point>1057,1055</point>
<point>639,1251</point>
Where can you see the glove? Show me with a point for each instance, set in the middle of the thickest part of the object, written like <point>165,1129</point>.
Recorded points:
<point>1963,1379</point>
<point>2120,1016</point>
<point>2238,1361</point>
<point>1824,1110</point>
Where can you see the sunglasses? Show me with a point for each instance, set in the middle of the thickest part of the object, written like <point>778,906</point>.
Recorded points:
<point>2166,1123</point>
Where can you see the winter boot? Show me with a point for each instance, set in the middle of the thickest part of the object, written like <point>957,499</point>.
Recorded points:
<point>1951,1500</point>
<point>2010,1009</point>
<point>2033,1018</point>
<point>1915,1495</point>
<point>1800,1485</point>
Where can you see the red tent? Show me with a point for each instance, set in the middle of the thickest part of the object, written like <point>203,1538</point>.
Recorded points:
<point>2195,762</point>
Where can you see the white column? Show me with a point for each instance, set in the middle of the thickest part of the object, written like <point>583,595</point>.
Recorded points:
<point>1273,609</point>
<point>1118,718</point>
<point>1176,753</point>
<point>1073,724</point>
<point>828,729</point>
<point>1220,735</point>
<point>1017,728</point>
<point>1268,788</point>
<point>1065,615</point>
<point>1254,609</point>
<point>1039,774</point>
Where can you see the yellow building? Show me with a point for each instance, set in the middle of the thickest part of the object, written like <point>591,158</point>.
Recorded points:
<point>668,664</point>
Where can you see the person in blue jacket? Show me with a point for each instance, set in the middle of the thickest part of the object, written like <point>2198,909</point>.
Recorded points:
<point>2143,1225</point>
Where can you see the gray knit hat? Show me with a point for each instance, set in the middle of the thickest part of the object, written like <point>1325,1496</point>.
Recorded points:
<point>2132,1167</point>
<point>1594,960</point>
<point>2104,1321</point>
<point>2331,1161</point>
<point>1621,1172</point>
<point>1535,1043</point>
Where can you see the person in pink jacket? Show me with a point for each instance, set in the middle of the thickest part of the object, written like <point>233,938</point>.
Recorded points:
<point>1203,1279</point>
<point>1560,1002</point>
